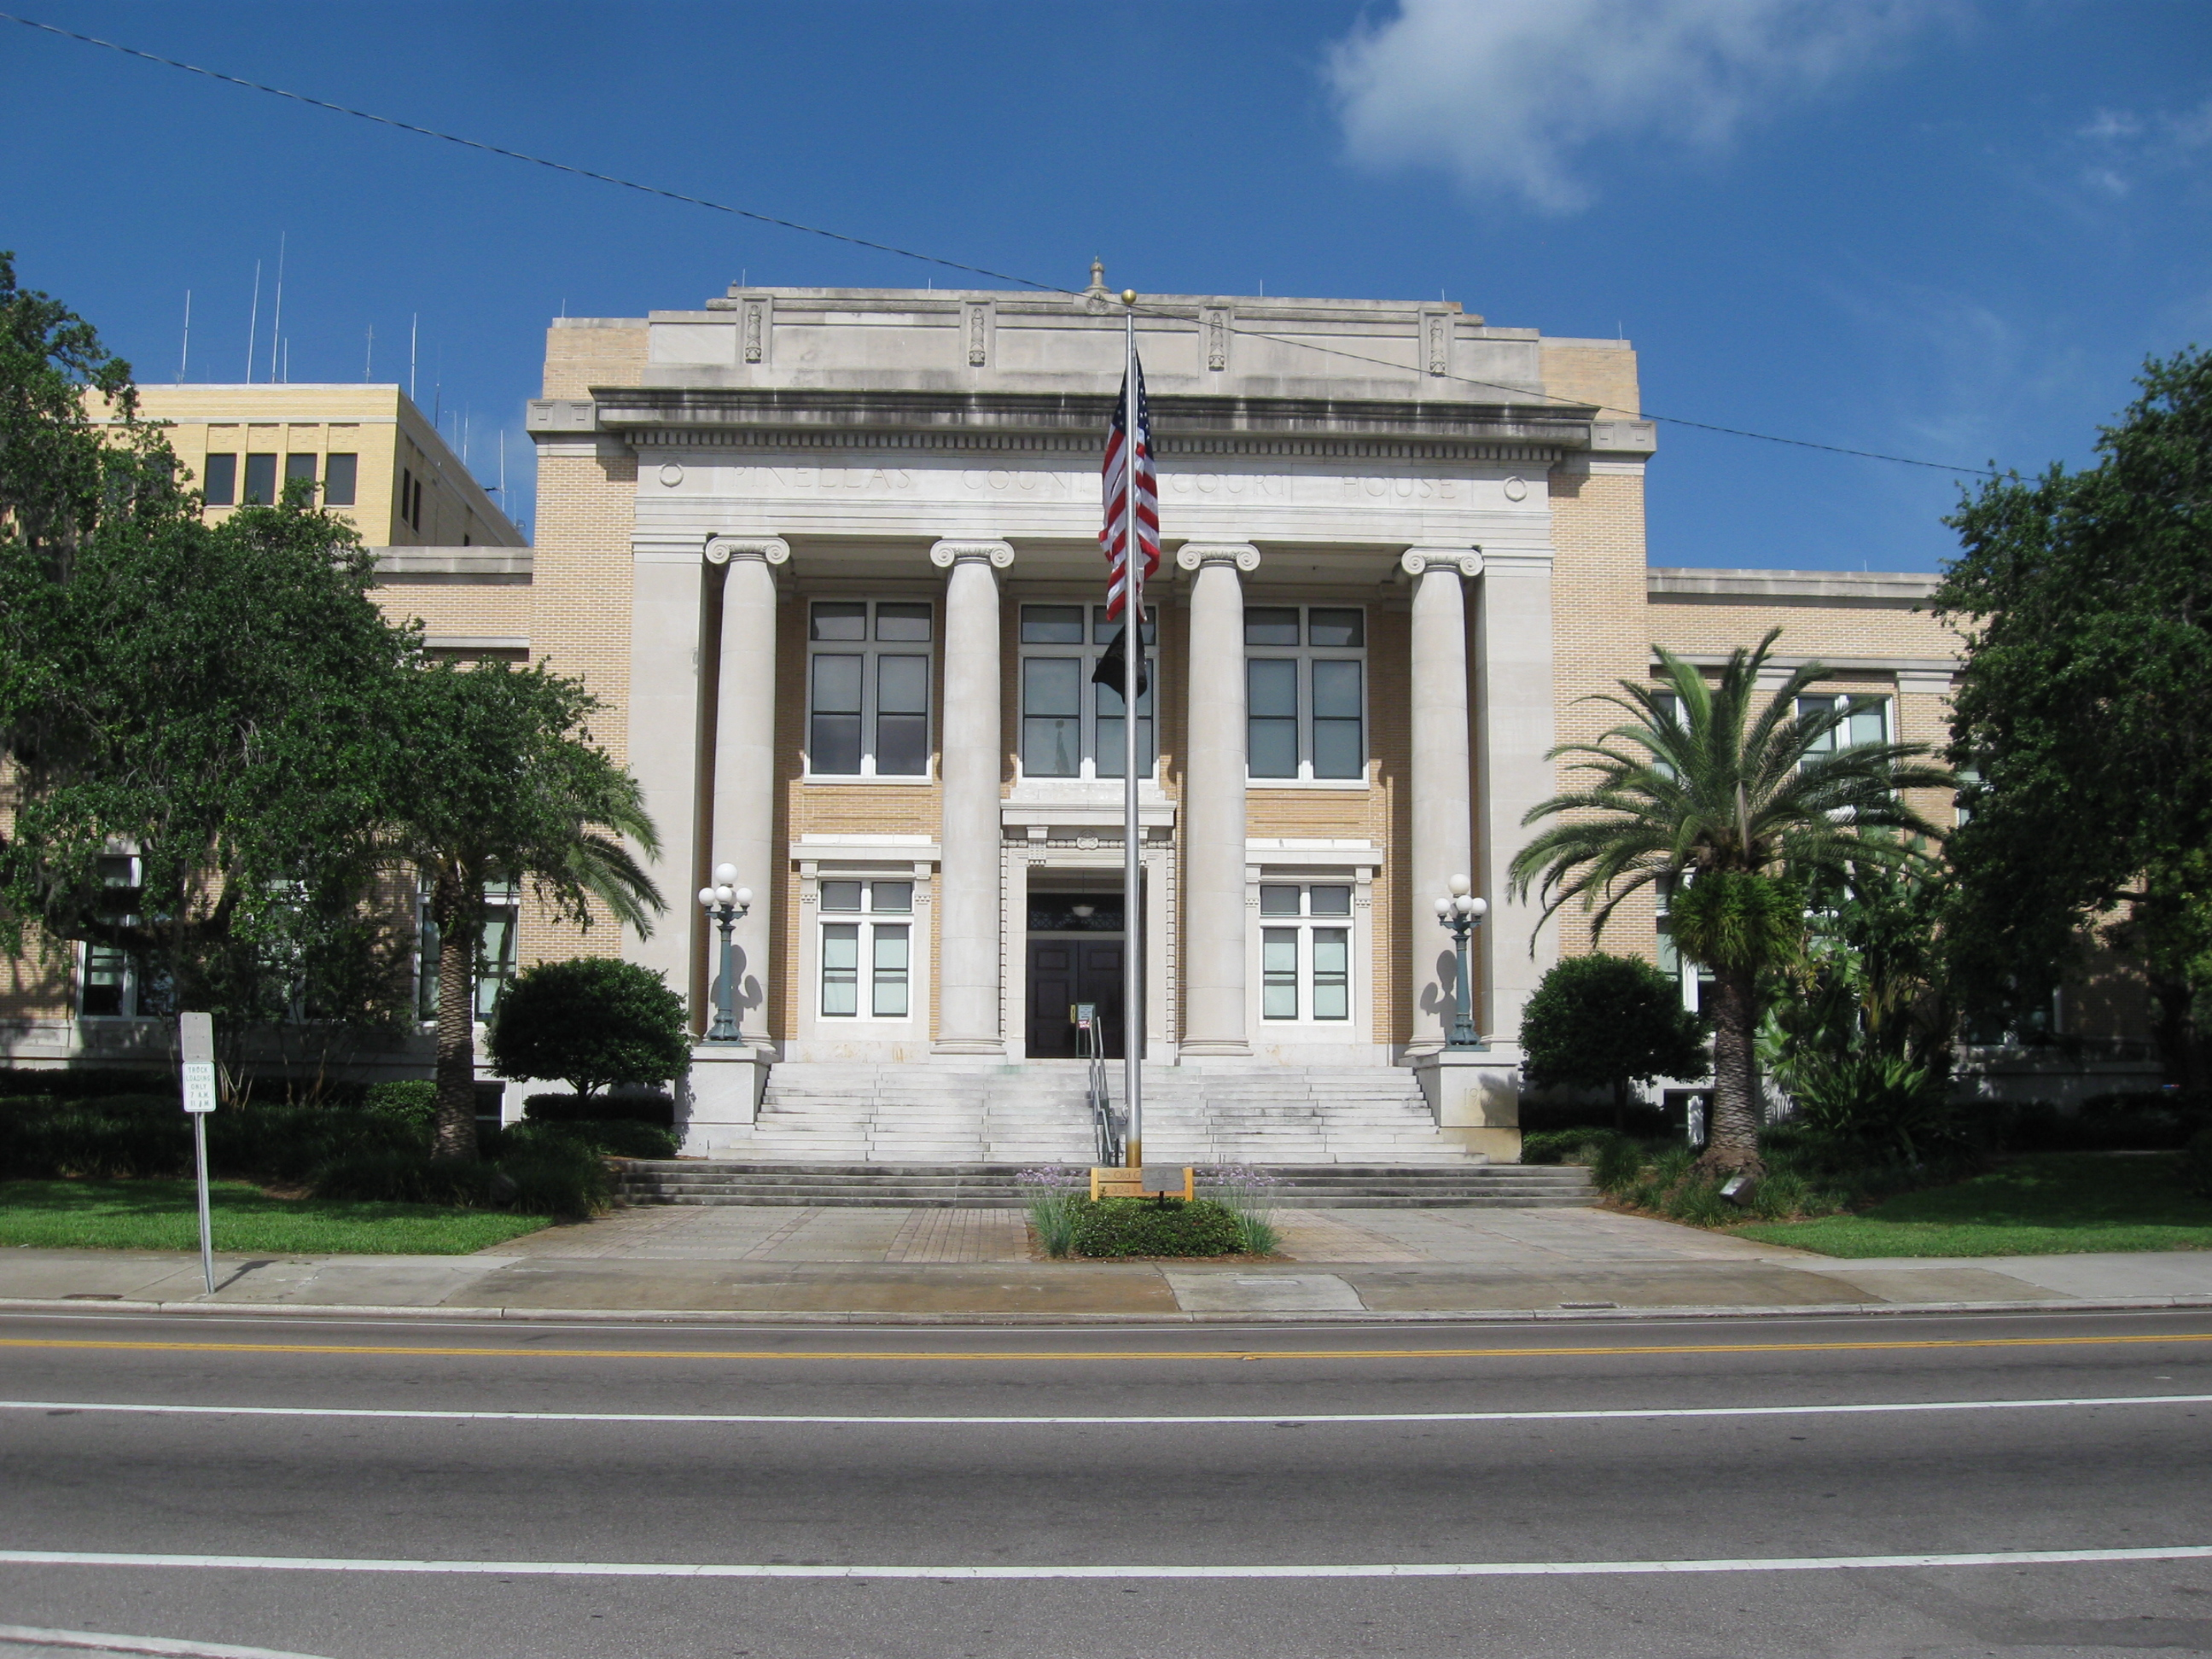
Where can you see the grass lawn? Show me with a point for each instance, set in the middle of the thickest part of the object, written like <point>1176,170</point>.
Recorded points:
<point>164,1215</point>
<point>2052,1203</point>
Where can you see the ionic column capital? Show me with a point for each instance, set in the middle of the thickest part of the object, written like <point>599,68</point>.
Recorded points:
<point>946,554</point>
<point>1192,554</point>
<point>767,550</point>
<point>1467,560</point>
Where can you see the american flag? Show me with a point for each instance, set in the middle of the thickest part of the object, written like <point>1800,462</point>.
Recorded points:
<point>1115,537</point>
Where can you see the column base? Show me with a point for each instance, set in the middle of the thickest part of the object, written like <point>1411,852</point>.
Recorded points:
<point>1475,1097</point>
<point>720,1101</point>
<point>989,1047</point>
<point>1201,1052</point>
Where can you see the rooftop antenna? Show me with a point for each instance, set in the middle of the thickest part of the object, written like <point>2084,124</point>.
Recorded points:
<point>276,322</point>
<point>413,320</point>
<point>464,435</point>
<point>253,322</point>
<point>369,356</point>
<point>502,471</point>
<point>288,361</point>
<point>184,358</point>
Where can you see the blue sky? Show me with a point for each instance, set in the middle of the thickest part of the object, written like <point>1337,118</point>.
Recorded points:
<point>1951,231</point>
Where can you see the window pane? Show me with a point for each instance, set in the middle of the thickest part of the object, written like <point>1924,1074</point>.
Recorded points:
<point>834,744</point>
<point>1111,745</point>
<point>1866,724</point>
<point>495,959</point>
<point>1052,624</point>
<point>1103,626</point>
<point>1332,901</point>
<point>1279,973</point>
<point>260,479</point>
<point>1670,959</point>
<point>1338,627</point>
<point>1275,748</point>
<point>1806,705</point>
<point>1336,750</point>
<point>1109,696</point>
<point>1278,901</point>
<point>1332,973</point>
<point>888,997</point>
<point>341,473</point>
<point>299,469</point>
<point>1336,691</point>
<point>893,895</point>
<point>841,895</point>
<point>903,685</point>
<point>902,623</point>
<point>103,981</point>
<point>901,745</point>
<point>1273,687</point>
<point>1052,716</point>
<point>1268,624</point>
<point>222,481</point>
<point>840,619</point>
<point>841,969</point>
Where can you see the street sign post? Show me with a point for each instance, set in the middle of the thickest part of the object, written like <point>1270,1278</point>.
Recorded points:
<point>196,1039</point>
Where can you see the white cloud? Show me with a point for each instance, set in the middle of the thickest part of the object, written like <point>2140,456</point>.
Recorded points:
<point>1507,94</point>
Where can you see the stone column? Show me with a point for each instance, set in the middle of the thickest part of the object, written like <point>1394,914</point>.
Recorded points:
<point>1513,686</point>
<point>667,669</point>
<point>1214,942</point>
<point>1443,814</point>
<point>744,816</point>
<point>967,944</point>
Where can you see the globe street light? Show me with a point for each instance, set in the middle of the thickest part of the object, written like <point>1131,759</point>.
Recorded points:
<point>1459,914</point>
<point>726,902</point>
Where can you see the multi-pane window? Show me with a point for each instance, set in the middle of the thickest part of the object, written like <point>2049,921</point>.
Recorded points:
<point>115,983</point>
<point>1305,951</point>
<point>1305,669</point>
<point>301,469</point>
<point>220,481</point>
<point>260,478</point>
<point>341,475</point>
<point>1070,727</point>
<point>868,689</point>
<point>867,946</point>
<point>495,969</point>
<point>1866,719</point>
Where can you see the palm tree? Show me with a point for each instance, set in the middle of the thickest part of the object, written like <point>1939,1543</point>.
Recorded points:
<point>1736,802</point>
<point>505,785</point>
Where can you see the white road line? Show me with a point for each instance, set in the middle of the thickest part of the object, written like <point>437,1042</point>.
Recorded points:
<point>1350,1570</point>
<point>31,1636</point>
<point>1261,1420</point>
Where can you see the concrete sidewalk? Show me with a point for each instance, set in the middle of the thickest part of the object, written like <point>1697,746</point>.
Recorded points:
<point>938,1265</point>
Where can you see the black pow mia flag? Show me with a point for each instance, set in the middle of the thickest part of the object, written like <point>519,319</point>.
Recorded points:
<point>1113,664</point>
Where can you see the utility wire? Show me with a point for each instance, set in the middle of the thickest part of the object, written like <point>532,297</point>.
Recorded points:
<point>1517,393</point>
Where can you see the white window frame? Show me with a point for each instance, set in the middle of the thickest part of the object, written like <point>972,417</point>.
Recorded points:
<point>1085,656</point>
<point>871,650</point>
<point>1303,926</point>
<point>869,925</point>
<point>1305,656</point>
<point>1885,704</point>
<point>498,895</point>
<point>133,971</point>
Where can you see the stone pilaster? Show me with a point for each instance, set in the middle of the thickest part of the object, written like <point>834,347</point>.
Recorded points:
<point>1214,943</point>
<point>1443,811</point>
<point>1513,682</point>
<point>744,816</point>
<point>968,952</point>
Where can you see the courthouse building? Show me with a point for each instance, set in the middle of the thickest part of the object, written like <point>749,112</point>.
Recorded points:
<point>829,559</point>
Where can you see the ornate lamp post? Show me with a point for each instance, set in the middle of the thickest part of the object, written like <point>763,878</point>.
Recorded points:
<point>725,903</point>
<point>1459,915</point>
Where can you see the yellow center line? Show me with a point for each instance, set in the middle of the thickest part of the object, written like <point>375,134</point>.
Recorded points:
<point>929,1356</point>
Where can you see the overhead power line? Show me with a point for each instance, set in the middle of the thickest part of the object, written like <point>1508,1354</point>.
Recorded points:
<point>935,259</point>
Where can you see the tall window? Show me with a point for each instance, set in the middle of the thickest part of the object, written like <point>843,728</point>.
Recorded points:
<point>341,474</point>
<point>221,482</point>
<point>1305,671</point>
<point>115,983</point>
<point>1866,719</point>
<point>495,953</point>
<point>1070,727</point>
<point>867,943</point>
<point>301,469</point>
<point>1305,952</point>
<point>868,689</point>
<point>260,478</point>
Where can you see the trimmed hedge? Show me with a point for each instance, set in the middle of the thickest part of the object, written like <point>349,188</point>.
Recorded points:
<point>2197,1167</point>
<point>1144,1226</point>
<point>655,1108</point>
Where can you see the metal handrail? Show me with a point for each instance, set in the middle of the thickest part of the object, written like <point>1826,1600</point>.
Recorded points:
<point>1107,1126</point>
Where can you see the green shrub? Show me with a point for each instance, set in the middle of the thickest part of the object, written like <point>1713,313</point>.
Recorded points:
<point>558,1178</point>
<point>553,1177</point>
<point>653,1108</point>
<point>591,1022</point>
<point>408,1100</point>
<point>1144,1226</point>
<point>616,1137</point>
<point>87,1082</point>
<point>119,1137</point>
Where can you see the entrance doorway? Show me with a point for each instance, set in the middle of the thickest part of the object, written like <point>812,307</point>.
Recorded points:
<point>1076,947</point>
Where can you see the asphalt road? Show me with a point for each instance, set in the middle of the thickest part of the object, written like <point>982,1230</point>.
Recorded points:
<point>310,1514</point>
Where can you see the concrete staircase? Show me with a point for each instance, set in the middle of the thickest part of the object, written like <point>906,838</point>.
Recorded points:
<point>919,1135</point>
<point>992,1186</point>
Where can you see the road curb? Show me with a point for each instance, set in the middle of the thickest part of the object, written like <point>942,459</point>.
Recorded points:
<point>924,1321</point>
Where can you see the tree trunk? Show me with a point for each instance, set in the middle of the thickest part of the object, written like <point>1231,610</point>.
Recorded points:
<point>1620,1105</point>
<point>456,1135</point>
<point>1732,1126</point>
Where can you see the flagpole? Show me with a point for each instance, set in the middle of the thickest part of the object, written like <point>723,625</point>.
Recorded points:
<point>1132,662</point>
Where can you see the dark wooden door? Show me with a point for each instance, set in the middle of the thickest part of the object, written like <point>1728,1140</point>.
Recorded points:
<point>1067,971</point>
